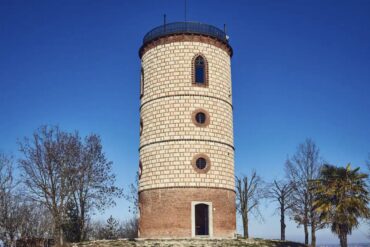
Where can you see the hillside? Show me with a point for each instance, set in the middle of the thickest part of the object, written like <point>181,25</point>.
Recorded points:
<point>190,243</point>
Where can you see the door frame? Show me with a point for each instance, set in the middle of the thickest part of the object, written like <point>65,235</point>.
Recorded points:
<point>210,219</point>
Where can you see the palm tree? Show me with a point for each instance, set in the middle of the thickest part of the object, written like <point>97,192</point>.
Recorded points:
<point>341,199</point>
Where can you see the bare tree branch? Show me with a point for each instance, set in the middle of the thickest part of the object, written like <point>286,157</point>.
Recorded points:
<point>302,167</point>
<point>281,192</point>
<point>60,169</point>
<point>249,192</point>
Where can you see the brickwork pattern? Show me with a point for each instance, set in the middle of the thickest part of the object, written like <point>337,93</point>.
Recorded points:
<point>169,164</point>
<point>170,140</point>
<point>167,105</point>
<point>172,118</point>
<point>168,67</point>
<point>177,202</point>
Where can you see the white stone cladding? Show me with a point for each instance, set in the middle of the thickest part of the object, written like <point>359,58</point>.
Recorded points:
<point>170,139</point>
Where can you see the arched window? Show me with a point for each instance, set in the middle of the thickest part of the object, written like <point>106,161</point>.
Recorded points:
<point>200,71</point>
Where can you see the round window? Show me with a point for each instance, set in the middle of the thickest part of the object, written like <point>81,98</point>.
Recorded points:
<point>200,117</point>
<point>201,163</point>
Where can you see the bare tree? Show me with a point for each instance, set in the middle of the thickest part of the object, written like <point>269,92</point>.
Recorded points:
<point>11,206</point>
<point>133,196</point>
<point>94,182</point>
<point>36,221</point>
<point>281,192</point>
<point>18,216</point>
<point>95,230</point>
<point>71,177</point>
<point>301,168</point>
<point>129,228</point>
<point>249,192</point>
<point>13,219</point>
<point>368,182</point>
<point>113,229</point>
<point>48,169</point>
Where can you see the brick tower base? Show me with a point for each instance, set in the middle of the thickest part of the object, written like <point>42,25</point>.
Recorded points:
<point>169,212</point>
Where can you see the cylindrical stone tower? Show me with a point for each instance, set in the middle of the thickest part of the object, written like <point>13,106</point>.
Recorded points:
<point>186,137</point>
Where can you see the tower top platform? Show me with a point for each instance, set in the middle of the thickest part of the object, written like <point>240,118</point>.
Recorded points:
<point>185,28</point>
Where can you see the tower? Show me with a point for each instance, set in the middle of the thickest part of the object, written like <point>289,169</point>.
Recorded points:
<point>186,181</point>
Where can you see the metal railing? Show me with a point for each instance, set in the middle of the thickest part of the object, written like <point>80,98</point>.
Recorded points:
<point>185,27</point>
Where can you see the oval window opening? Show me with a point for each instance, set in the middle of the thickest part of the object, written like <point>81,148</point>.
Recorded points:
<point>200,117</point>
<point>201,163</point>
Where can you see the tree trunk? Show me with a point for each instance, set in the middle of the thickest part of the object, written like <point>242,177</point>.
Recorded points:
<point>61,240</point>
<point>82,219</point>
<point>305,226</point>
<point>282,224</point>
<point>245,225</point>
<point>12,240</point>
<point>313,233</point>
<point>82,235</point>
<point>58,233</point>
<point>305,221</point>
<point>343,239</point>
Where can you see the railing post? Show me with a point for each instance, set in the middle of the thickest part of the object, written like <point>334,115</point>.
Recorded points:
<point>164,22</point>
<point>186,27</point>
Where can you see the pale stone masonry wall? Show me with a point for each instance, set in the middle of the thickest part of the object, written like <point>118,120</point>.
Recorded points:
<point>171,117</point>
<point>169,165</point>
<point>168,70</point>
<point>167,105</point>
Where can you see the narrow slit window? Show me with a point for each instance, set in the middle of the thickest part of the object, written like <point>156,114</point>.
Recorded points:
<point>142,83</point>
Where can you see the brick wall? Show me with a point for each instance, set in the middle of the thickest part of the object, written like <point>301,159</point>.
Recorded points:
<point>167,212</point>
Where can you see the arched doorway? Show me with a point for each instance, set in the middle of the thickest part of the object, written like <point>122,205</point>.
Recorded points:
<point>201,219</point>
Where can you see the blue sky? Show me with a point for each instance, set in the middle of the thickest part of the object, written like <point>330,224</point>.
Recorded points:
<point>300,69</point>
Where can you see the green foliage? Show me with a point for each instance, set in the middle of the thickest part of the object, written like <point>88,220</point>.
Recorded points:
<point>341,198</point>
<point>72,225</point>
<point>111,228</point>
